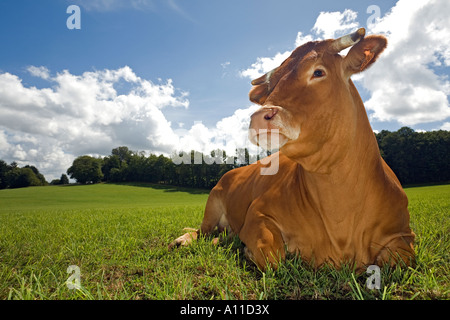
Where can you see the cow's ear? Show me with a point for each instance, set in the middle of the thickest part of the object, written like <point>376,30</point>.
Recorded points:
<point>363,54</point>
<point>260,91</point>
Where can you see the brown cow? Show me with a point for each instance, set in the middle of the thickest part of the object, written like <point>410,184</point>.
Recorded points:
<point>333,199</point>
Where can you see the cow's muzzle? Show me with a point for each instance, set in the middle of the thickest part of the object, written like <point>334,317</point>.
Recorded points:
<point>266,128</point>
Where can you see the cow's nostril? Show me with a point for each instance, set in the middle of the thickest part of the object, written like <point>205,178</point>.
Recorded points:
<point>269,115</point>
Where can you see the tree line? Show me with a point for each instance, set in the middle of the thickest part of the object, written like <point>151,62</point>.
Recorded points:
<point>12,176</point>
<point>415,157</point>
<point>124,165</point>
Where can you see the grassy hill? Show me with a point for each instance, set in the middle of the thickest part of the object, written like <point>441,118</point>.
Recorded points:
<point>92,196</point>
<point>118,234</point>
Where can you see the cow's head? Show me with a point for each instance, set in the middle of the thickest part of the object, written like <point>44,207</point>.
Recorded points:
<point>309,100</point>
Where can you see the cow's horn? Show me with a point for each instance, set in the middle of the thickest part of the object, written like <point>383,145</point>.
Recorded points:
<point>347,40</point>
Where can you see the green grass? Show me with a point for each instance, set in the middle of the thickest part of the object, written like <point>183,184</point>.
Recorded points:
<point>118,236</point>
<point>137,195</point>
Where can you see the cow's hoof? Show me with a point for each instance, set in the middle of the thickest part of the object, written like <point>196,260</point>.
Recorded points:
<point>249,255</point>
<point>185,240</point>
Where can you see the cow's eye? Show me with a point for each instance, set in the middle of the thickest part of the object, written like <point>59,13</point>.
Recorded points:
<point>318,73</point>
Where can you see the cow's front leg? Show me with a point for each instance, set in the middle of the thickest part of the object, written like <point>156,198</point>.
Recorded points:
<point>263,240</point>
<point>186,239</point>
<point>214,217</point>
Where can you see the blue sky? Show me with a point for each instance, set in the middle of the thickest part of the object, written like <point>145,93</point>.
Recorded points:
<point>187,41</point>
<point>187,61</point>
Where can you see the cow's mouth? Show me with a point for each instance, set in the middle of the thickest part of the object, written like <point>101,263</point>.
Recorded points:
<point>268,139</point>
<point>270,129</point>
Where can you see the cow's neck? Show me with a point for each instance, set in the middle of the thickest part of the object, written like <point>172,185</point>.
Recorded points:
<point>343,183</point>
<point>346,188</point>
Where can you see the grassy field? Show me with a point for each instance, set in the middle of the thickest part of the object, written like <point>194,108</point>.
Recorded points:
<point>118,234</point>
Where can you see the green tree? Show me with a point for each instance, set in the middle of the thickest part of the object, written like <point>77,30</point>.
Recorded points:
<point>12,176</point>
<point>86,169</point>
<point>64,179</point>
<point>123,153</point>
<point>39,175</point>
<point>416,157</point>
<point>22,177</point>
<point>136,167</point>
<point>110,163</point>
<point>4,168</point>
<point>55,182</point>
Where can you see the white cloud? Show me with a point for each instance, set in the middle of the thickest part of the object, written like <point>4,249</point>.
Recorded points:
<point>232,132</point>
<point>335,24</point>
<point>301,39</point>
<point>85,114</point>
<point>5,146</point>
<point>445,126</point>
<point>264,65</point>
<point>328,25</point>
<point>229,134</point>
<point>404,85</point>
<point>41,72</point>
